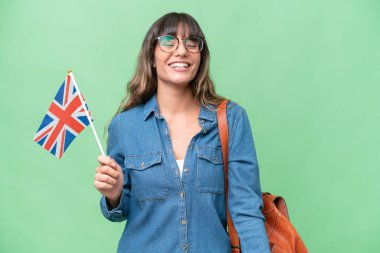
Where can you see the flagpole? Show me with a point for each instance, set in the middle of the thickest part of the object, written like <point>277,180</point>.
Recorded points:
<point>87,114</point>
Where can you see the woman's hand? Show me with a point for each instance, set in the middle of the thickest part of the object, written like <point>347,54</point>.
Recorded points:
<point>109,180</point>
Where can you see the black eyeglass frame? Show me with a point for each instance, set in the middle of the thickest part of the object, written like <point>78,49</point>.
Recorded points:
<point>184,40</point>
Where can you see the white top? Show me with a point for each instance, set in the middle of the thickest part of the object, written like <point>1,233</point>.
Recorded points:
<point>180,166</point>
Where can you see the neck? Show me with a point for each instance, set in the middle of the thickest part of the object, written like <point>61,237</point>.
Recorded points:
<point>174,101</point>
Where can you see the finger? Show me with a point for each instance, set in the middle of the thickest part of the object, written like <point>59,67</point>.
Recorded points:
<point>105,179</point>
<point>102,186</point>
<point>106,160</point>
<point>108,170</point>
<point>115,164</point>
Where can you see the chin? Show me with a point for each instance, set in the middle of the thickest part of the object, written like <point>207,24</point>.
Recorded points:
<point>181,81</point>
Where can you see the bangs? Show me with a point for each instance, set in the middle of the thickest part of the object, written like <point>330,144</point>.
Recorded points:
<point>171,23</point>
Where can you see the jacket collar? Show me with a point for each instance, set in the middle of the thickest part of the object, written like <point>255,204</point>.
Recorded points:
<point>151,106</point>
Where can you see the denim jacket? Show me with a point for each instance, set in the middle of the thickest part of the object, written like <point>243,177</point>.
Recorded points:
<point>169,214</point>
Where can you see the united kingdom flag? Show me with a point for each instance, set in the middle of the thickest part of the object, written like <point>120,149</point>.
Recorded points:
<point>65,119</point>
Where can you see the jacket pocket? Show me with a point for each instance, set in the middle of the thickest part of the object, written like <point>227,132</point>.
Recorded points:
<point>148,180</point>
<point>210,174</point>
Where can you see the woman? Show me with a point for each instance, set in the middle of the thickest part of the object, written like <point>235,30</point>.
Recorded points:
<point>164,169</point>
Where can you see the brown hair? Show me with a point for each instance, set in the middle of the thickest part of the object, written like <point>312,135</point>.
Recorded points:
<point>144,81</point>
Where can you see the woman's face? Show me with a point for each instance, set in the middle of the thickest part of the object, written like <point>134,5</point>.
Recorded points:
<point>177,68</point>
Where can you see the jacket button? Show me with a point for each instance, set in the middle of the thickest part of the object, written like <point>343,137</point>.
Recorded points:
<point>142,165</point>
<point>186,170</point>
<point>183,221</point>
<point>184,247</point>
<point>182,194</point>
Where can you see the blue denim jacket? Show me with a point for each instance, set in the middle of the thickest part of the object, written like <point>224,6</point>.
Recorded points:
<point>167,214</point>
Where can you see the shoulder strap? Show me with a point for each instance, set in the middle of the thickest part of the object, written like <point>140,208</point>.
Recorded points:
<point>223,133</point>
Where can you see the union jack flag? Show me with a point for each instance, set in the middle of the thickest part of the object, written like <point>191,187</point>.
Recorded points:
<point>65,119</point>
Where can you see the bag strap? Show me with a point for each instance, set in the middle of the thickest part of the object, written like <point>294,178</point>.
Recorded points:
<point>223,133</point>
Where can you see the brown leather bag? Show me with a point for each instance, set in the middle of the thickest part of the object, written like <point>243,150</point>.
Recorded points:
<point>282,236</point>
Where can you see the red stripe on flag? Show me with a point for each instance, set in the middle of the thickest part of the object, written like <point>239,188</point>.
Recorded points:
<point>54,135</point>
<point>62,143</point>
<point>65,115</point>
<point>38,138</point>
<point>68,81</point>
<point>65,118</point>
<point>74,105</point>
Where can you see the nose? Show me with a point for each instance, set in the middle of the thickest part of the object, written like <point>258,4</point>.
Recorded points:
<point>181,49</point>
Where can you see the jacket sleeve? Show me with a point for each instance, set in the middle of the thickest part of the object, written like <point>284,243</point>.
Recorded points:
<point>114,150</point>
<point>244,192</point>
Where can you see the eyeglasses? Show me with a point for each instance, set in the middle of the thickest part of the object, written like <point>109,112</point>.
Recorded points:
<point>169,44</point>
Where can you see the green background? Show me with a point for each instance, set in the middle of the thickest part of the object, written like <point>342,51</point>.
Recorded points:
<point>307,73</point>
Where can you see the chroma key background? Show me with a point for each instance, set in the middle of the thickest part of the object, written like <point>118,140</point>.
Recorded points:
<point>307,72</point>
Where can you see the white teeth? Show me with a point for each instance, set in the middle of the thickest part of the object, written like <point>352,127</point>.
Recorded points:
<point>179,64</point>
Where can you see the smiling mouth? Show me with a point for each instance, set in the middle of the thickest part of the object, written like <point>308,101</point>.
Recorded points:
<point>179,65</point>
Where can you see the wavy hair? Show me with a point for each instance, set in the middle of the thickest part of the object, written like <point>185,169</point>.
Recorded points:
<point>143,84</point>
